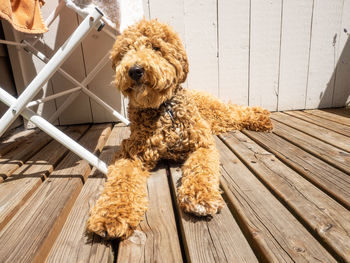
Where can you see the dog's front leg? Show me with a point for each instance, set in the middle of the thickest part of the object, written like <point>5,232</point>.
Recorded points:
<point>123,201</point>
<point>200,192</point>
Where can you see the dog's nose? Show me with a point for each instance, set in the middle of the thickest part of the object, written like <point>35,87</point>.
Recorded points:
<point>136,72</point>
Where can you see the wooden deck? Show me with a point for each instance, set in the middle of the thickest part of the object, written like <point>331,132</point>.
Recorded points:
<point>287,195</point>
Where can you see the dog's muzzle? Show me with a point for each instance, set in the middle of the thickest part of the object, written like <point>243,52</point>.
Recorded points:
<point>136,73</point>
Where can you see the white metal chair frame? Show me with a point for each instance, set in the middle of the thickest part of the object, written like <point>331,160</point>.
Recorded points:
<point>20,106</point>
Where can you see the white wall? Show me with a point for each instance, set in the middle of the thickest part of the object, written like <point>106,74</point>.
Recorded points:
<point>79,64</point>
<point>279,54</point>
<point>6,79</point>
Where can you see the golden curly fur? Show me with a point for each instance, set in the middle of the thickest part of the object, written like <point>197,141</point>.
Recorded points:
<point>167,122</point>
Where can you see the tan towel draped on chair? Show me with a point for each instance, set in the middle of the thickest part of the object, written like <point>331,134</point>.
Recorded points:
<point>24,15</point>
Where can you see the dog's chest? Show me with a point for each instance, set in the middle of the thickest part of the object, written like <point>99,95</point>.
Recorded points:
<point>175,129</point>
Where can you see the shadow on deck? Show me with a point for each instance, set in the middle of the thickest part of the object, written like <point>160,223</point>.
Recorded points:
<point>287,195</point>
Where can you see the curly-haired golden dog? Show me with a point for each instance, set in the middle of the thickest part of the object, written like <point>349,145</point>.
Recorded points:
<point>167,122</point>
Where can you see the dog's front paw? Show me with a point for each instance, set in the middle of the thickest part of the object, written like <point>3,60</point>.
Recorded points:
<point>111,226</point>
<point>201,206</point>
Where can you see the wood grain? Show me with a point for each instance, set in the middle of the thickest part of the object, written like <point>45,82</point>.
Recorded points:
<point>14,159</point>
<point>328,124</point>
<point>201,45</point>
<point>14,139</point>
<point>326,177</point>
<point>156,239</point>
<point>325,217</point>
<point>102,85</point>
<point>45,212</point>
<point>60,30</point>
<point>324,40</point>
<point>265,34</point>
<point>212,240</point>
<point>275,234</point>
<point>17,188</point>
<point>322,134</point>
<point>73,244</point>
<point>335,115</point>
<point>174,15</point>
<point>233,32</point>
<point>294,60</point>
<point>341,89</point>
<point>328,153</point>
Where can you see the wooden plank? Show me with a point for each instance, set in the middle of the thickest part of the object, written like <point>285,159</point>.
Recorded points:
<point>328,153</point>
<point>218,239</point>
<point>60,30</point>
<point>333,115</point>
<point>233,32</point>
<point>328,124</point>
<point>14,159</point>
<point>17,188</point>
<point>274,233</point>
<point>25,66</point>
<point>101,85</point>
<point>172,13</point>
<point>73,244</point>
<point>156,239</point>
<point>201,44</point>
<point>146,9</point>
<point>340,111</point>
<point>326,177</point>
<point>323,134</point>
<point>265,30</point>
<point>326,218</point>
<point>13,139</point>
<point>326,22</point>
<point>45,212</point>
<point>6,81</point>
<point>341,95</point>
<point>294,61</point>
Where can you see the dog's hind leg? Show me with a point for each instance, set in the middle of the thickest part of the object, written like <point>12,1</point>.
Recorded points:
<point>200,192</point>
<point>123,201</point>
<point>224,117</point>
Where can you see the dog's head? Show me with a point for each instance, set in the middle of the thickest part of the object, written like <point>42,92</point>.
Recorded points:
<point>149,61</point>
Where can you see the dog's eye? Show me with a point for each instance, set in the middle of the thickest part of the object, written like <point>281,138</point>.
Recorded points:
<point>156,48</point>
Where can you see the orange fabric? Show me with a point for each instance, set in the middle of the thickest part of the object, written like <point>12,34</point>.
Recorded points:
<point>24,15</point>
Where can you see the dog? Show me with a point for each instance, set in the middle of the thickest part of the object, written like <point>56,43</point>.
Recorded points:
<point>167,122</point>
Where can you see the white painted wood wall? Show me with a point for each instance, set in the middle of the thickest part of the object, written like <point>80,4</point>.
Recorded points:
<point>279,54</point>
<point>79,64</point>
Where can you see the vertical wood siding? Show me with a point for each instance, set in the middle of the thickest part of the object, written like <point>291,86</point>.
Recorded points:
<point>279,54</point>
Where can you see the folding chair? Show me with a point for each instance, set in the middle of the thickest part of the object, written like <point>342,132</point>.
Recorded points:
<point>20,106</point>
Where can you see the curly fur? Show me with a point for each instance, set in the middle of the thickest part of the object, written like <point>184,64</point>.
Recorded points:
<point>167,122</point>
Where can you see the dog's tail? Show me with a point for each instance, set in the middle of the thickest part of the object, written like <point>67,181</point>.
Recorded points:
<point>227,117</point>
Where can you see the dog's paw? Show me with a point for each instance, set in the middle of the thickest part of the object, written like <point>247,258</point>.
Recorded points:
<point>109,227</point>
<point>203,207</point>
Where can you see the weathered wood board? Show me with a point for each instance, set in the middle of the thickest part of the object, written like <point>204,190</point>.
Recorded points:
<point>326,152</point>
<point>334,182</point>
<point>312,206</point>
<point>275,234</point>
<point>45,212</point>
<point>156,239</point>
<point>21,184</point>
<point>73,243</point>
<point>211,240</point>
<point>322,134</point>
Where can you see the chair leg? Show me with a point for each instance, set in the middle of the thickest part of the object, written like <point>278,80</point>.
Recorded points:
<point>82,84</point>
<point>49,69</point>
<point>55,133</point>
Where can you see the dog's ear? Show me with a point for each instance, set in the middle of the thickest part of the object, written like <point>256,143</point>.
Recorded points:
<point>115,56</point>
<point>184,63</point>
